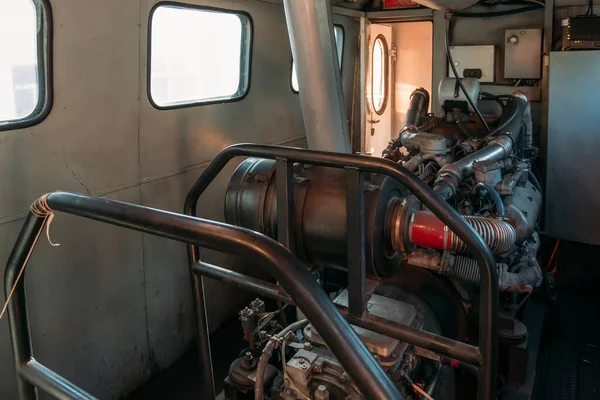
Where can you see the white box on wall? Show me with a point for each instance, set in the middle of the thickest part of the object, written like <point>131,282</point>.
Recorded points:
<point>473,58</point>
<point>523,54</point>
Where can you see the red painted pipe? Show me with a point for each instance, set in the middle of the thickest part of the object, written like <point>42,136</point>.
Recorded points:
<point>427,230</point>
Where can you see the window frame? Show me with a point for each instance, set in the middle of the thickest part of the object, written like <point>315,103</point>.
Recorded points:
<point>247,42</point>
<point>340,53</point>
<point>43,14</point>
<point>386,75</point>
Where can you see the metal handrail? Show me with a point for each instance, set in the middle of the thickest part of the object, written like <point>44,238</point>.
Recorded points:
<point>265,252</point>
<point>488,311</point>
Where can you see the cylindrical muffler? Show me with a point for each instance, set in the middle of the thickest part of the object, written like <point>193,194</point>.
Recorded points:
<point>319,212</point>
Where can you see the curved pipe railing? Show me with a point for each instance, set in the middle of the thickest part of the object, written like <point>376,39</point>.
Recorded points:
<point>272,256</point>
<point>488,310</point>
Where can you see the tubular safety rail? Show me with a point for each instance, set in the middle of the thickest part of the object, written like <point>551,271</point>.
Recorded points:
<point>272,256</point>
<point>483,357</point>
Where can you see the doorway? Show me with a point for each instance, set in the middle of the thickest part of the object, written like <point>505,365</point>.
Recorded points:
<point>399,60</point>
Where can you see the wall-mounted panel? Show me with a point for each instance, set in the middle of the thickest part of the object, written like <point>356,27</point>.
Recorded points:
<point>573,182</point>
<point>490,31</point>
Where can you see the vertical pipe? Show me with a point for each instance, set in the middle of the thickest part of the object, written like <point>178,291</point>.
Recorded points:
<point>310,27</point>
<point>548,37</point>
<point>202,334</point>
<point>440,61</point>
<point>18,320</point>
<point>355,232</point>
<point>284,174</point>
<point>197,281</point>
<point>363,84</point>
<point>207,380</point>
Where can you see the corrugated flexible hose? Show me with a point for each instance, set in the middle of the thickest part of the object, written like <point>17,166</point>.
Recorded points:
<point>426,230</point>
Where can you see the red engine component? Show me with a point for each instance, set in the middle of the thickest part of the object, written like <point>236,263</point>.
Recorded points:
<point>391,4</point>
<point>426,230</point>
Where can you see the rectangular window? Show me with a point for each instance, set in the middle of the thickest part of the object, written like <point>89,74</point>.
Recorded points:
<point>198,55</point>
<point>24,59</point>
<point>338,31</point>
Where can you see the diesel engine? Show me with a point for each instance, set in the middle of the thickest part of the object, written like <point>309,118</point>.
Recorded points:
<point>419,273</point>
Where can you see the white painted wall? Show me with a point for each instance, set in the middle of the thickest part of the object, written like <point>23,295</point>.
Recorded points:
<point>109,307</point>
<point>413,68</point>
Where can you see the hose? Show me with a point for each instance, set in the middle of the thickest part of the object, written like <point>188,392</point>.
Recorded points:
<point>526,276</point>
<point>462,268</point>
<point>508,119</point>
<point>524,280</point>
<point>272,344</point>
<point>500,236</point>
<point>417,107</point>
<point>259,385</point>
<point>489,96</point>
<point>535,181</point>
<point>292,328</point>
<point>426,230</point>
<point>493,194</point>
<point>462,86</point>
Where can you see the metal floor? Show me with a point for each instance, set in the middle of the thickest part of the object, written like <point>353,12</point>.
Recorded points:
<point>569,359</point>
<point>568,366</point>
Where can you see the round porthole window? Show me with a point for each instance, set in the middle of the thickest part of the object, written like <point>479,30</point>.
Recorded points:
<point>379,67</point>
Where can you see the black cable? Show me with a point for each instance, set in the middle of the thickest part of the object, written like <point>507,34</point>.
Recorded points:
<point>536,182</point>
<point>497,13</point>
<point>462,86</point>
<point>590,10</point>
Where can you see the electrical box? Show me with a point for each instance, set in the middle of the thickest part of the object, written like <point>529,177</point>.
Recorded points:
<point>473,62</point>
<point>572,178</point>
<point>523,54</point>
<point>581,33</point>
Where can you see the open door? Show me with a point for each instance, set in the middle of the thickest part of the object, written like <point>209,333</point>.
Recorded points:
<point>379,76</point>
